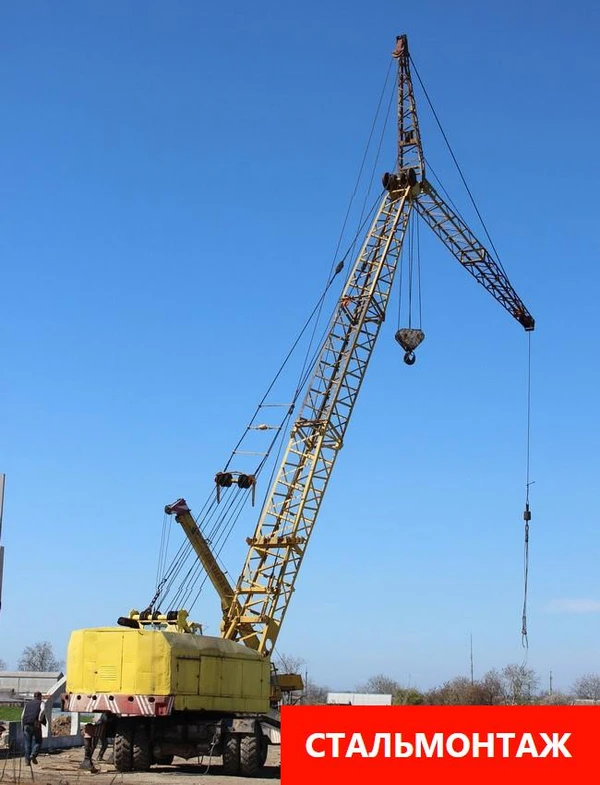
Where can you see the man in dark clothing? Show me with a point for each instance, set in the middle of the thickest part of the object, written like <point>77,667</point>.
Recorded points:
<point>32,719</point>
<point>104,731</point>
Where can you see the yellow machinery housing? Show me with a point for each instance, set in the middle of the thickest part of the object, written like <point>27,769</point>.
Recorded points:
<point>180,672</point>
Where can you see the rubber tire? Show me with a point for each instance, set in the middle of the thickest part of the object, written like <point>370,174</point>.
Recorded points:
<point>231,755</point>
<point>141,756</point>
<point>264,750</point>
<point>123,752</point>
<point>251,754</point>
<point>164,760</point>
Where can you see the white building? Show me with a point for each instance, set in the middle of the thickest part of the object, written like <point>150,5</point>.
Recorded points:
<point>24,683</point>
<point>358,699</point>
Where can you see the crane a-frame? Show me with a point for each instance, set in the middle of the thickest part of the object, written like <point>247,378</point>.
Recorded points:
<point>208,694</point>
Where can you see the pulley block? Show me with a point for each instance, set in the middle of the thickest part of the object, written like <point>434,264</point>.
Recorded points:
<point>227,479</point>
<point>398,181</point>
<point>224,479</point>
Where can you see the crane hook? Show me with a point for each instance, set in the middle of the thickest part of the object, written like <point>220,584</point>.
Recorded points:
<point>409,339</point>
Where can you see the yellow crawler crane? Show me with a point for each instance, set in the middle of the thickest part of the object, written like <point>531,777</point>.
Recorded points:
<point>169,689</point>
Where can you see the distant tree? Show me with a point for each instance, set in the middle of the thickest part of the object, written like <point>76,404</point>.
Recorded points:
<point>2,665</point>
<point>380,685</point>
<point>287,663</point>
<point>315,694</point>
<point>459,691</point>
<point>587,687</point>
<point>555,699</point>
<point>520,683</point>
<point>38,657</point>
<point>385,685</point>
<point>492,689</point>
<point>408,696</point>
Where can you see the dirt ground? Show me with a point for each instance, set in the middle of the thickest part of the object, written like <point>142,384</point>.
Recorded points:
<point>62,768</point>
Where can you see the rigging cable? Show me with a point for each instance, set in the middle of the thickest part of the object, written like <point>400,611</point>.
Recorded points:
<point>377,154</point>
<point>413,265</point>
<point>418,238</point>
<point>462,177</point>
<point>411,251</point>
<point>527,512</point>
<point>362,164</point>
<point>282,430</point>
<point>193,574</point>
<point>226,518</point>
<point>361,220</point>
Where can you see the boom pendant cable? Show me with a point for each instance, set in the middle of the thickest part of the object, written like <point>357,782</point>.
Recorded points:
<point>458,168</point>
<point>527,511</point>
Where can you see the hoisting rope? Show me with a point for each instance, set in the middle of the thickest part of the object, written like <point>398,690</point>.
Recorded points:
<point>528,482</point>
<point>527,512</point>
<point>413,271</point>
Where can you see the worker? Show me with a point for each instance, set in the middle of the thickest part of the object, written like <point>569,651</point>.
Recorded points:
<point>104,731</point>
<point>88,732</point>
<point>32,719</point>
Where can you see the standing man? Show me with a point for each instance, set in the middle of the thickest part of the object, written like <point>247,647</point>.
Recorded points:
<point>104,731</point>
<point>32,719</point>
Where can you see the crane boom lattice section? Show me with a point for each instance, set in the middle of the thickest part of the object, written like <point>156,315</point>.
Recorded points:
<point>461,241</point>
<point>267,581</point>
<point>410,152</point>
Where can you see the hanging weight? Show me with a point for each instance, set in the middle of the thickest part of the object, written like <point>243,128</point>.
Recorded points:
<point>410,358</point>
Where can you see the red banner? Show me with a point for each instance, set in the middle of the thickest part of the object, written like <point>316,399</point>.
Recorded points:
<point>462,744</point>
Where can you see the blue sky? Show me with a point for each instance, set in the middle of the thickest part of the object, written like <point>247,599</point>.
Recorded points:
<point>174,180</point>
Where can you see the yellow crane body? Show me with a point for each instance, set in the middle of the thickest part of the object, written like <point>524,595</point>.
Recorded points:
<point>150,673</point>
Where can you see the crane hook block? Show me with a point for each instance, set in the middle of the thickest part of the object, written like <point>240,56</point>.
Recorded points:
<point>409,339</point>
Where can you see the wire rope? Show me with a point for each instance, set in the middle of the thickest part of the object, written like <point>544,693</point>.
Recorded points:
<point>527,512</point>
<point>460,172</point>
<point>217,521</point>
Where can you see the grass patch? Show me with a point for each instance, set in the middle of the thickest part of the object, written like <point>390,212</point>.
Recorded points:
<point>10,713</point>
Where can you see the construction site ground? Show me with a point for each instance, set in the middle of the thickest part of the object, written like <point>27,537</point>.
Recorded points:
<point>62,768</point>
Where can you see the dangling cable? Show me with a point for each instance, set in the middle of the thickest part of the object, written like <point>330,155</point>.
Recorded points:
<point>527,512</point>
<point>418,245</point>
<point>411,251</point>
